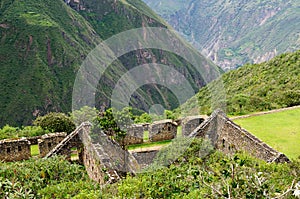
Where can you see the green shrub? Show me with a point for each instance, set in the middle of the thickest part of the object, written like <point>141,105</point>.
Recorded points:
<point>28,131</point>
<point>55,122</point>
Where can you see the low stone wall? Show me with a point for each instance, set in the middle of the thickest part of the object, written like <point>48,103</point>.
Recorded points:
<point>162,130</point>
<point>229,138</point>
<point>134,135</point>
<point>14,150</point>
<point>190,123</point>
<point>145,158</point>
<point>48,141</point>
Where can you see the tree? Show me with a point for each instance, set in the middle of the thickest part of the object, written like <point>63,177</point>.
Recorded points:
<point>144,118</point>
<point>241,100</point>
<point>85,114</point>
<point>115,123</point>
<point>169,115</point>
<point>55,122</point>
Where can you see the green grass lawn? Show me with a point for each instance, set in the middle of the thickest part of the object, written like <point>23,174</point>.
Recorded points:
<point>146,136</point>
<point>149,144</point>
<point>279,130</point>
<point>34,149</point>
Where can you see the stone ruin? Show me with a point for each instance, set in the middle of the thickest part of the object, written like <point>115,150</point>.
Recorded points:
<point>162,130</point>
<point>47,142</point>
<point>228,137</point>
<point>104,159</point>
<point>106,162</point>
<point>190,123</point>
<point>14,150</point>
<point>134,135</point>
<point>20,149</point>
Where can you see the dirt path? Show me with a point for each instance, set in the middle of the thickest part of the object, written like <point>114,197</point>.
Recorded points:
<point>264,113</point>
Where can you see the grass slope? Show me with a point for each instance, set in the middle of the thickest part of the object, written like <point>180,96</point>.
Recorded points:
<point>280,130</point>
<point>253,88</point>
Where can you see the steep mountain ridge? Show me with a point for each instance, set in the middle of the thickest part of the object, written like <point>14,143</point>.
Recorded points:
<point>43,44</point>
<point>232,33</point>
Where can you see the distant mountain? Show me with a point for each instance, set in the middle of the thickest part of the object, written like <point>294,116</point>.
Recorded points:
<point>232,33</point>
<point>252,88</point>
<point>44,42</point>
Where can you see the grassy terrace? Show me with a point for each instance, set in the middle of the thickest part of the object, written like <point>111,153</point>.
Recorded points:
<point>280,130</point>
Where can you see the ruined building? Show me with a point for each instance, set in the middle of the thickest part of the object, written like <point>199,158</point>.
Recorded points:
<point>106,161</point>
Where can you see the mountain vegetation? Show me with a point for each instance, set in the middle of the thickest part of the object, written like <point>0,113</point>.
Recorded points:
<point>43,44</point>
<point>253,88</point>
<point>232,33</point>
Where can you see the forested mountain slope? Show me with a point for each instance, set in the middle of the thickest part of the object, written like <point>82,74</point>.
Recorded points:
<point>44,42</point>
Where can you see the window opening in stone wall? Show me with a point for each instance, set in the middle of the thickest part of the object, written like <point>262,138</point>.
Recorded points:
<point>223,143</point>
<point>146,136</point>
<point>34,150</point>
<point>19,148</point>
<point>8,150</point>
<point>49,145</point>
<point>74,154</point>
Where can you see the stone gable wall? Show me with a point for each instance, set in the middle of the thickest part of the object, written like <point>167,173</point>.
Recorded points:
<point>229,138</point>
<point>104,159</point>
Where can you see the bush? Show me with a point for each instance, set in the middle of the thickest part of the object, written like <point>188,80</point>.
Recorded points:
<point>55,122</point>
<point>14,132</point>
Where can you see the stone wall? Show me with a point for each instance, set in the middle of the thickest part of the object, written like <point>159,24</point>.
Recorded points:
<point>48,141</point>
<point>229,138</point>
<point>190,123</point>
<point>34,140</point>
<point>104,159</point>
<point>145,158</point>
<point>162,130</point>
<point>14,150</point>
<point>93,166</point>
<point>134,135</point>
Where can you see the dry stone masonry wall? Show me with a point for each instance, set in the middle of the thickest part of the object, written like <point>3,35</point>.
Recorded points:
<point>14,150</point>
<point>134,135</point>
<point>229,138</point>
<point>47,142</point>
<point>190,123</point>
<point>162,130</point>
